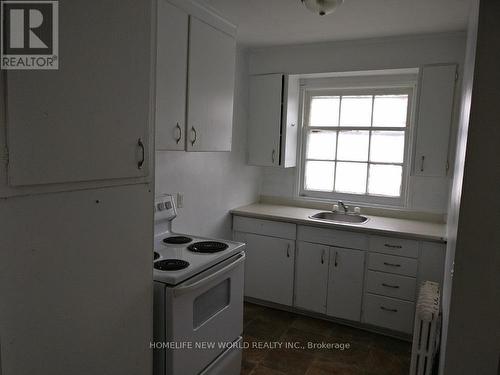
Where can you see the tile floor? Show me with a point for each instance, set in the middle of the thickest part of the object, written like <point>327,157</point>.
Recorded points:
<point>369,353</point>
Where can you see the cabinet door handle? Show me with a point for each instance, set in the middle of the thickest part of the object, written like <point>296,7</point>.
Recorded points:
<point>288,250</point>
<point>336,259</point>
<point>422,163</point>
<point>193,130</point>
<point>387,309</point>
<point>323,256</point>
<point>390,286</point>
<point>392,264</point>
<point>178,139</point>
<point>140,163</point>
<point>393,246</point>
<point>273,154</point>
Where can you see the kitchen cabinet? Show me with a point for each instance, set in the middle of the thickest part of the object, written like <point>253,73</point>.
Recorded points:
<point>434,118</point>
<point>90,119</point>
<point>332,277</point>
<point>311,276</point>
<point>171,75</point>
<point>211,72</point>
<point>345,283</point>
<point>273,120</point>
<point>195,73</point>
<point>269,267</point>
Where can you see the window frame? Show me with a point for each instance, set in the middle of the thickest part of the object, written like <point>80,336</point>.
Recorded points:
<point>358,86</point>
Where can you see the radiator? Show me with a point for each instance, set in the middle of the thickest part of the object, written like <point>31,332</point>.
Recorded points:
<point>426,332</point>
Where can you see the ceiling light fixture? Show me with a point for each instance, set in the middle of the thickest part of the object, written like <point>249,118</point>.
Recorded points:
<point>322,7</point>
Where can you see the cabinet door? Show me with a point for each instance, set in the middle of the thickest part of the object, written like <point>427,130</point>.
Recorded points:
<point>212,56</point>
<point>264,113</point>
<point>171,76</point>
<point>269,268</point>
<point>311,277</point>
<point>83,121</point>
<point>437,88</point>
<point>345,283</point>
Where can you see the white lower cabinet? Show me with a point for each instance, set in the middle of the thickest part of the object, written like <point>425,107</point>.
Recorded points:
<point>327,274</point>
<point>311,276</point>
<point>345,283</point>
<point>269,267</point>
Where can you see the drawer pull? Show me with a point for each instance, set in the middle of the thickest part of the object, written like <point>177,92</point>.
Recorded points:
<point>387,309</point>
<point>393,246</point>
<point>390,286</point>
<point>392,264</point>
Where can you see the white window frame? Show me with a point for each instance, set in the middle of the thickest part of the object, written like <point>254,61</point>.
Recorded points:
<point>358,86</point>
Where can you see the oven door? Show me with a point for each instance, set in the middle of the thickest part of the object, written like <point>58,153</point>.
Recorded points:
<point>205,313</point>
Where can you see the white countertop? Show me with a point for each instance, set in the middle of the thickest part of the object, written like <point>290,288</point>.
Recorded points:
<point>376,224</point>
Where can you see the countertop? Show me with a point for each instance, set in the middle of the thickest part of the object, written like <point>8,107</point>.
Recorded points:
<point>376,224</point>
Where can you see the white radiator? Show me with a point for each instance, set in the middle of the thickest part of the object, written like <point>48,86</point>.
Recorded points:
<point>427,329</point>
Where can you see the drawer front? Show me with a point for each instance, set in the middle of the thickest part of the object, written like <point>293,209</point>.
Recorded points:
<point>332,237</point>
<point>392,264</point>
<point>264,227</point>
<point>390,285</point>
<point>394,246</point>
<point>388,313</point>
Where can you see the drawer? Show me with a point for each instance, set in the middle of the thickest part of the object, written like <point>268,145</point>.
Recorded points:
<point>388,313</point>
<point>264,227</point>
<point>392,264</point>
<point>391,285</point>
<point>332,237</point>
<point>394,246</point>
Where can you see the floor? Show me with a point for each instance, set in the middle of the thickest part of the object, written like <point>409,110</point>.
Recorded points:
<point>369,353</point>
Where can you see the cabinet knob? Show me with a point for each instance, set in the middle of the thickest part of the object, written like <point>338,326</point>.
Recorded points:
<point>193,130</point>
<point>179,137</point>
<point>140,163</point>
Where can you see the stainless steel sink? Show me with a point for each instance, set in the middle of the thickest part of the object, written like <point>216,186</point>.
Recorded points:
<point>339,217</point>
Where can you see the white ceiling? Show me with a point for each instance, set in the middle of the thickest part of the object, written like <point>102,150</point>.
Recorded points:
<point>274,22</point>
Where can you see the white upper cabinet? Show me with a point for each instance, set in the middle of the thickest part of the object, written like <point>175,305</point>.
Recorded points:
<point>212,56</point>
<point>171,76</point>
<point>273,120</point>
<point>195,70</point>
<point>89,120</point>
<point>434,117</point>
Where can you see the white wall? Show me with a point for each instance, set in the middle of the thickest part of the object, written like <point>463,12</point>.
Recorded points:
<point>212,182</point>
<point>471,295</point>
<point>429,193</point>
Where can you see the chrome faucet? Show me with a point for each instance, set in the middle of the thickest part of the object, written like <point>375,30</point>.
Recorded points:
<point>344,207</point>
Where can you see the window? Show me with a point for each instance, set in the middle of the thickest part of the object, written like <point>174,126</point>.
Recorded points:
<point>355,143</point>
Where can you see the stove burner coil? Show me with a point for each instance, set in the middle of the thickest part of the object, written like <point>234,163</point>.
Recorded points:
<point>207,247</point>
<point>177,240</point>
<point>170,264</point>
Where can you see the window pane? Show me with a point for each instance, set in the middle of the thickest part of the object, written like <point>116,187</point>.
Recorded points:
<point>321,145</point>
<point>319,175</point>
<point>353,145</point>
<point>387,146</point>
<point>385,180</point>
<point>390,110</point>
<point>356,111</point>
<point>351,178</point>
<point>324,111</point>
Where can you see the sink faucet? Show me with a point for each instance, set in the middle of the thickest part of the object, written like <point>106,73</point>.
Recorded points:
<point>344,207</point>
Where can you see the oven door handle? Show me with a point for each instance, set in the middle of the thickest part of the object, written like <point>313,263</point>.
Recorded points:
<point>186,288</point>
